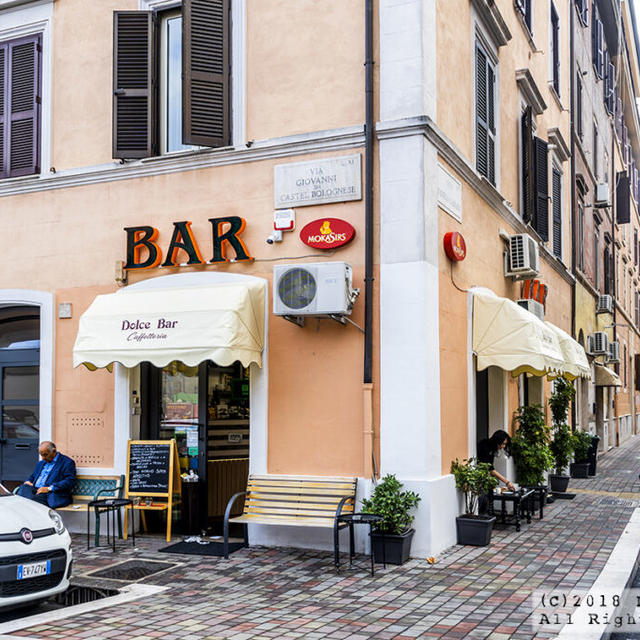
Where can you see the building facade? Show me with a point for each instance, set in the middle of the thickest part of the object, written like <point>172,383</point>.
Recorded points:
<point>149,149</point>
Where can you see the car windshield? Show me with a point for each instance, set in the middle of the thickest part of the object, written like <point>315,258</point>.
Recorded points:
<point>4,491</point>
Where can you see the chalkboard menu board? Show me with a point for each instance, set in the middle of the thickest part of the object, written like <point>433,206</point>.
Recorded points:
<point>149,467</point>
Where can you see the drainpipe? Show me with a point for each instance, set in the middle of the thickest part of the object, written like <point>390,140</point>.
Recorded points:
<point>368,431</point>
<point>573,185</point>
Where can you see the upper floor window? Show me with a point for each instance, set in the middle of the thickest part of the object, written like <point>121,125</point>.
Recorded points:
<point>535,178</point>
<point>485,115</point>
<point>581,237</point>
<point>20,106</point>
<point>597,42</point>
<point>556,191</point>
<point>555,50</point>
<point>525,10</point>
<point>579,129</point>
<point>193,77</point>
<point>583,11</point>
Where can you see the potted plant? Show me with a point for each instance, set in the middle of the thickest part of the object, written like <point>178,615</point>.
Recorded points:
<point>562,443</point>
<point>474,479</point>
<point>530,446</point>
<point>391,538</point>
<point>581,445</point>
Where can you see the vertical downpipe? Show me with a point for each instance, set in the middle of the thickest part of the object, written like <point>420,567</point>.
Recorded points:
<point>369,454</point>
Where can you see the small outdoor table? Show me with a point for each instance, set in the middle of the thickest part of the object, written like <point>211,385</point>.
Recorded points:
<point>109,506</point>
<point>360,518</point>
<point>540,492</point>
<point>519,499</point>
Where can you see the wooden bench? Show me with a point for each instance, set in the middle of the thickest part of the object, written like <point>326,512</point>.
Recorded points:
<point>89,488</point>
<point>299,501</point>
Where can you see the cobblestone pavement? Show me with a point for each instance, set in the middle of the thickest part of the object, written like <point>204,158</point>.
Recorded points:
<point>288,593</point>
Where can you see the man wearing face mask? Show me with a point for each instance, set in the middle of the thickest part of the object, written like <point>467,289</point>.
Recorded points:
<point>53,479</point>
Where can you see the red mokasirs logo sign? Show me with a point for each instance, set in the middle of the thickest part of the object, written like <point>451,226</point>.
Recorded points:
<point>327,233</point>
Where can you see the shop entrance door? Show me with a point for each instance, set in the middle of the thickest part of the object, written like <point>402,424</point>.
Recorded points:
<point>19,398</point>
<point>206,409</point>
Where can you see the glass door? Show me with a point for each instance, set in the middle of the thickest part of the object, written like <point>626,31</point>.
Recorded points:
<point>179,393</point>
<point>19,398</point>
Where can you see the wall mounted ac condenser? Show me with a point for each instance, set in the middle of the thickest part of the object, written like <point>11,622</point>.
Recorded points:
<point>315,289</point>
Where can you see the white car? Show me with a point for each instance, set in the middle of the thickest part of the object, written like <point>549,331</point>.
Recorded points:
<point>35,551</point>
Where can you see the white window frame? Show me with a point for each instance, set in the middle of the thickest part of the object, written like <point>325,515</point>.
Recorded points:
<point>238,62</point>
<point>32,19</point>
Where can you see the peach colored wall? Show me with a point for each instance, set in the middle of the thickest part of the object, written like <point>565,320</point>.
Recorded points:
<point>83,399</point>
<point>82,81</point>
<point>300,56</point>
<point>483,266</point>
<point>315,374</point>
<point>456,91</point>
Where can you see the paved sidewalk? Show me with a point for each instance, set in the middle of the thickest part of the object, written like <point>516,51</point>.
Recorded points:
<point>286,593</point>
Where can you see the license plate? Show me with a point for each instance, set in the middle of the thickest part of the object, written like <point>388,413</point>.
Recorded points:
<point>34,569</point>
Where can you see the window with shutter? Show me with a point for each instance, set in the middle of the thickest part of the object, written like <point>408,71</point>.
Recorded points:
<point>555,49</point>
<point>582,7</point>
<point>133,83</point>
<point>541,211</point>
<point>206,72</point>
<point>20,101</point>
<point>635,246</point>
<point>606,263</point>
<point>557,212</point>
<point>609,86</point>
<point>526,135</point>
<point>581,237</point>
<point>524,9</point>
<point>579,104</point>
<point>485,116</point>
<point>623,194</point>
<point>595,151</point>
<point>181,99</point>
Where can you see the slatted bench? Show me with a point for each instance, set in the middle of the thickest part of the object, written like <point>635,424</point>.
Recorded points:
<point>299,501</point>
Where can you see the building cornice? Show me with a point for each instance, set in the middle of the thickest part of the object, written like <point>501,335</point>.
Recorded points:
<point>530,91</point>
<point>493,21</point>
<point>561,148</point>
<point>424,126</point>
<point>315,142</point>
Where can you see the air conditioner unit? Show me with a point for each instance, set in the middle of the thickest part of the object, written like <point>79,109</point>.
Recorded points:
<point>533,306</point>
<point>614,352</point>
<point>315,289</point>
<point>605,304</point>
<point>598,344</point>
<point>522,259</point>
<point>602,195</point>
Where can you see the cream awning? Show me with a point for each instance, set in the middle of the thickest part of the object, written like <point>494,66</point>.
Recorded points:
<point>507,336</point>
<point>606,377</point>
<point>221,322</point>
<point>575,358</point>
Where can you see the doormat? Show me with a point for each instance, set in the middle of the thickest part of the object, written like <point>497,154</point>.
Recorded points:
<point>564,496</point>
<point>196,549</point>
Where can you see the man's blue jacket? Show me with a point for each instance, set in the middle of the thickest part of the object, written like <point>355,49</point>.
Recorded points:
<point>62,478</point>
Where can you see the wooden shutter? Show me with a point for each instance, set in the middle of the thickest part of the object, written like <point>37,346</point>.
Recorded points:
<point>4,162</point>
<point>205,76</point>
<point>555,44</point>
<point>623,208</point>
<point>609,97</point>
<point>579,104</point>
<point>541,222</point>
<point>600,52</point>
<point>584,12</point>
<point>20,82</point>
<point>485,116</point>
<point>133,85</point>
<point>636,359</point>
<point>526,127</point>
<point>619,117</point>
<point>557,212</point>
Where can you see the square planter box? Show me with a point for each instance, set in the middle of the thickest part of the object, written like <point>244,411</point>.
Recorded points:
<point>396,548</point>
<point>475,531</point>
<point>559,484</point>
<point>579,469</point>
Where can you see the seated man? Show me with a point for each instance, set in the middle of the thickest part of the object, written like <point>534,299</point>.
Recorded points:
<point>53,479</point>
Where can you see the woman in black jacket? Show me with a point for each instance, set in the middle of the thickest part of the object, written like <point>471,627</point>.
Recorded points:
<point>488,448</point>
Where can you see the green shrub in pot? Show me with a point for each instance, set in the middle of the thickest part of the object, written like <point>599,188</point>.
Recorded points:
<point>394,505</point>
<point>581,445</point>
<point>391,539</point>
<point>473,479</point>
<point>530,446</point>
<point>563,440</point>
